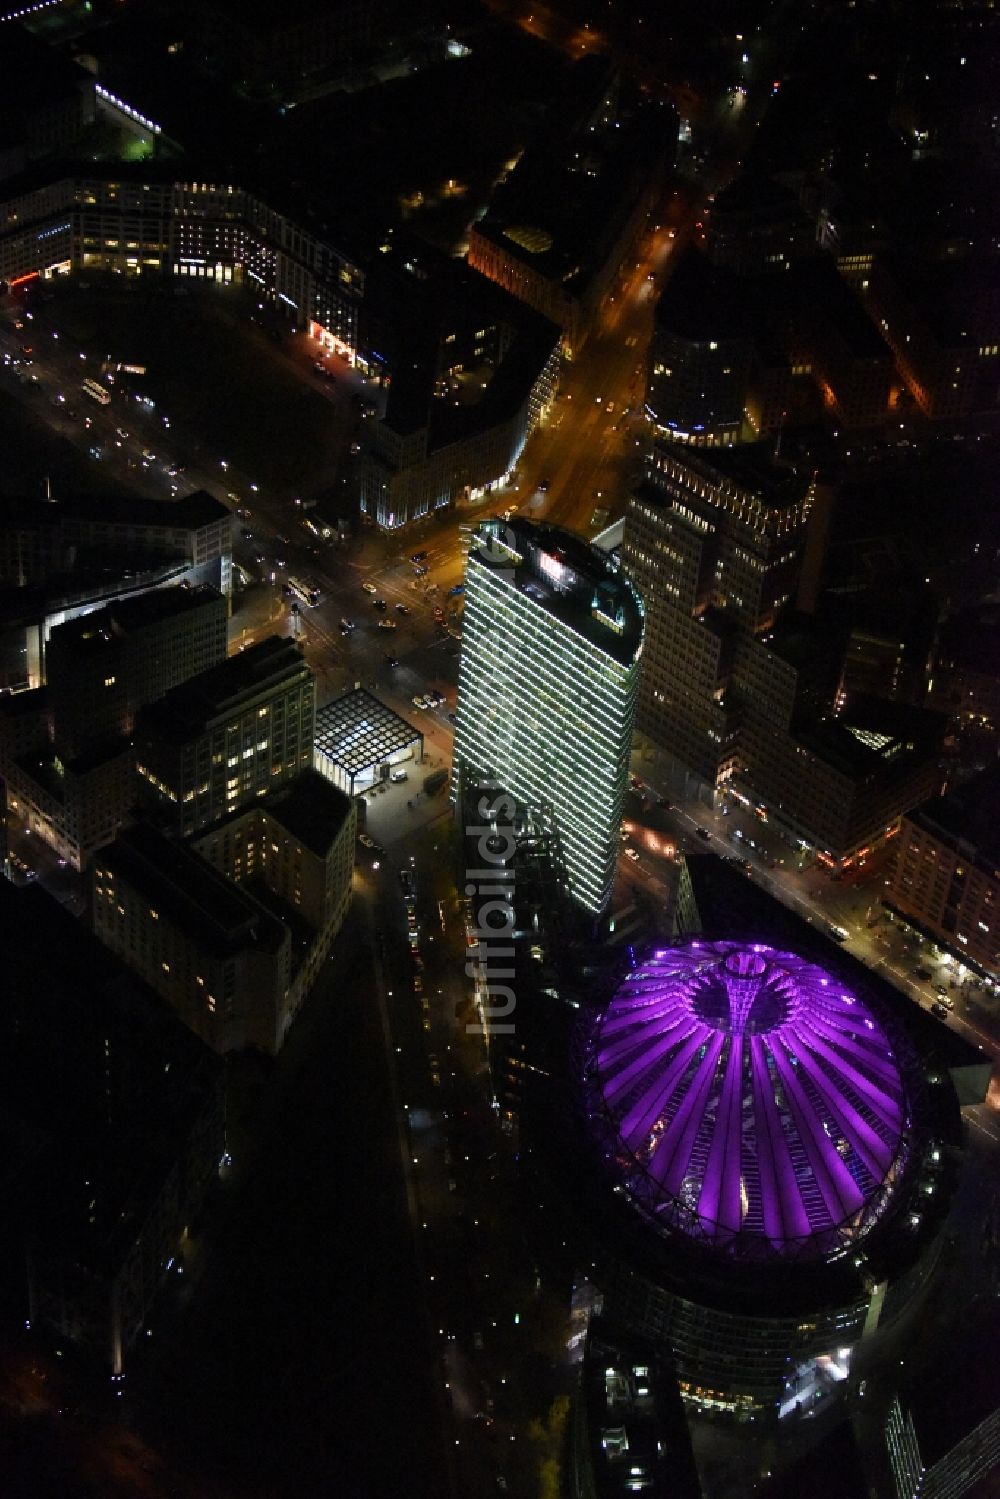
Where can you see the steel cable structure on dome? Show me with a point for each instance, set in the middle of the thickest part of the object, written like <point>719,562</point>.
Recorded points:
<point>748,1099</point>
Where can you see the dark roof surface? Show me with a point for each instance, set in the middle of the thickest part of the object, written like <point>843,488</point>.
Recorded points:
<point>202,902</point>
<point>562,573</point>
<point>185,710</point>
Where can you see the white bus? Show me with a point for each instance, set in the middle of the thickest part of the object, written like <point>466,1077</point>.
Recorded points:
<point>96,392</point>
<point>305,590</point>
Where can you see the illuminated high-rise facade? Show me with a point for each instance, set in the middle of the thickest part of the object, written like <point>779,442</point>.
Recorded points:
<point>547,689</point>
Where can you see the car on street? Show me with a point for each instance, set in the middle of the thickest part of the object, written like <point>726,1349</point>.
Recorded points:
<point>546,484</point>
<point>390,661</point>
<point>402,608</point>
<point>922,973</point>
<point>387,624</point>
<point>417,701</point>
<point>369,842</point>
<point>438,613</point>
<point>369,588</point>
<point>633,854</point>
<point>399,776</point>
<point>703,833</point>
<point>379,604</point>
<point>436,697</point>
<point>417,556</point>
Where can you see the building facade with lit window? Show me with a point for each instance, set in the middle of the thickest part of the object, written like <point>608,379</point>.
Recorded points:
<point>226,737</point>
<point>942,323</point>
<point>472,374</point>
<point>103,667</point>
<point>216,955</point>
<point>75,805</point>
<point>701,355</point>
<point>713,543</point>
<point>548,682</point>
<point>67,765</point>
<point>40,541</point>
<point>567,216</point>
<point>946,877</point>
<point>298,846</point>
<point>135,221</point>
<point>840,783</point>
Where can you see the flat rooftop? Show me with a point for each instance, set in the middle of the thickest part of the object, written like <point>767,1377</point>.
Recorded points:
<point>871,735</point>
<point>357,731</point>
<point>210,908</point>
<point>186,710</point>
<point>124,616</point>
<point>753,467</point>
<point>702,301</point>
<point>562,573</point>
<point>310,808</point>
<point>189,513</point>
<point>968,814</point>
<point>958,299</point>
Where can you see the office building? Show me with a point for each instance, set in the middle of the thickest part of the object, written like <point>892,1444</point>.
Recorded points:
<point>294,851</point>
<point>268,46</point>
<point>942,322</point>
<point>48,102</point>
<point>569,215</point>
<point>140,219</point>
<point>701,355</point>
<point>473,373</point>
<point>966,673</point>
<point>946,876</point>
<point>208,948</point>
<point>64,751</point>
<point>942,1430</point>
<point>100,536</point>
<point>103,667</point>
<point>756,226</point>
<point>548,681</point>
<point>839,783</point>
<point>75,805</point>
<point>226,737</point>
<point>629,1431</point>
<point>114,1130</point>
<point>737,690</point>
<point>713,544</point>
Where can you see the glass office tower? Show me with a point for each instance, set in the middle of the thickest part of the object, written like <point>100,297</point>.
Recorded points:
<point>551,642</point>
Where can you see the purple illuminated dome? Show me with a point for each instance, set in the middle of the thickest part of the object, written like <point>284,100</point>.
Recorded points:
<point>748,1099</point>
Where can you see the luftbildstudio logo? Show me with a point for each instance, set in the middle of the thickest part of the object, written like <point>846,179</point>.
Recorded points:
<point>492,886</point>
